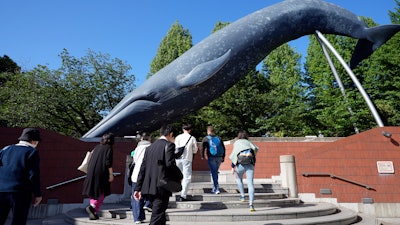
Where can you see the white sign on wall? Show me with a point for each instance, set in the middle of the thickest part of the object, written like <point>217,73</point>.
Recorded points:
<point>385,166</point>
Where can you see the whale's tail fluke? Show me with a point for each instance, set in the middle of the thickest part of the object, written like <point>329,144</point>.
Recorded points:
<point>376,36</point>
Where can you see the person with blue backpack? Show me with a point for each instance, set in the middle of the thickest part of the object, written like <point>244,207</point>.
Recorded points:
<point>214,148</point>
<point>243,159</point>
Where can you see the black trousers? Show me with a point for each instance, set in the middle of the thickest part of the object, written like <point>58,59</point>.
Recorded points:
<point>160,205</point>
<point>18,203</point>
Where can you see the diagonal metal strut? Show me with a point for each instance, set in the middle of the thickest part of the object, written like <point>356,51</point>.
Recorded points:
<point>324,42</point>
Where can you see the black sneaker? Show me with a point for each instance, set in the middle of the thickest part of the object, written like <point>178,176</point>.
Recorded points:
<point>92,213</point>
<point>182,199</point>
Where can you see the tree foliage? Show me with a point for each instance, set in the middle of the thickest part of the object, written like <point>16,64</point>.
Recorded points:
<point>69,100</point>
<point>287,102</point>
<point>339,115</point>
<point>177,41</point>
<point>238,108</point>
<point>7,65</point>
<point>329,107</point>
<point>380,76</point>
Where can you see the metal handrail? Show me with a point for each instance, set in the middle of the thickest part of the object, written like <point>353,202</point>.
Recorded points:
<point>73,180</point>
<point>340,178</point>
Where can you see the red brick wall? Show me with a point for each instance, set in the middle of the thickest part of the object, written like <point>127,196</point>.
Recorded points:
<point>60,156</point>
<point>353,158</point>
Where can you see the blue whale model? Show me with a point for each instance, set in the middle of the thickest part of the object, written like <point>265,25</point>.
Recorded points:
<point>215,64</point>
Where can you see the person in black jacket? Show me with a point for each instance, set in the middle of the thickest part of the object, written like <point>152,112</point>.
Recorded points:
<point>147,182</point>
<point>99,175</point>
<point>20,177</point>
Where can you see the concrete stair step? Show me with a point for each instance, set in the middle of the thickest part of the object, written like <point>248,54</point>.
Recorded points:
<point>234,204</point>
<point>318,213</point>
<point>206,187</point>
<point>224,197</point>
<point>226,200</point>
<point>363,219</point>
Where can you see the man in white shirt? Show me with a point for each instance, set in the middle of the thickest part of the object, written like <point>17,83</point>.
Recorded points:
<point>185,161</point>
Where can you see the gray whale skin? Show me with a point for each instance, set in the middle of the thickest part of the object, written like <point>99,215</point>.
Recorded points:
<point>212,66</point>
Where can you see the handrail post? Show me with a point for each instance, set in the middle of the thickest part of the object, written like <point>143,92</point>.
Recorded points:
<point>288,174</point>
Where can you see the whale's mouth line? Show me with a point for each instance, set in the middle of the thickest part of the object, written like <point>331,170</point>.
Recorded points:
<point>144,103</point>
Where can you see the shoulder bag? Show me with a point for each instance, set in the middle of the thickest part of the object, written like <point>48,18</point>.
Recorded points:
<point>84,165</point>
<point>179,151</point>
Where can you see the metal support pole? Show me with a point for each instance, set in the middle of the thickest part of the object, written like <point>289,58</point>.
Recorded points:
<point>353,77</point>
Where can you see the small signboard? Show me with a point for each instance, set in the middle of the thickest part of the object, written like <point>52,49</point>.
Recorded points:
<point>385,166</point>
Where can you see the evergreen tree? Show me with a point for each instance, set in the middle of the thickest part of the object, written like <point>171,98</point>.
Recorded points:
<point>7,65</point>
<point>381,81</point>
<point>238,108</point>
<point>329,107</point>
<point>286,100</point>
<point>8,69</point>
<point>376,75</point>
<point>177,41</point>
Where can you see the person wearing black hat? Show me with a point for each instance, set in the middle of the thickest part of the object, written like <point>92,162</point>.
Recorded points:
<point>20,177</point>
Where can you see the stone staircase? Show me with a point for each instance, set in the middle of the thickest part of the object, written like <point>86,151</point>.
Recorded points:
<point>272,206</point>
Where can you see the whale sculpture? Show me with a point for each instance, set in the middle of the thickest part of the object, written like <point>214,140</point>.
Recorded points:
<point>212,66</point>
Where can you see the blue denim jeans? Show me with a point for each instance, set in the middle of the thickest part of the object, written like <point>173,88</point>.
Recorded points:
<point>214,163</point>
<point>249,170</point>
<point>137,207</point>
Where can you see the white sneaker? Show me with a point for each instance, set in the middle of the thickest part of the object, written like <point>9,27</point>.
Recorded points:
<point>215,191</point>
<point>148,209</point>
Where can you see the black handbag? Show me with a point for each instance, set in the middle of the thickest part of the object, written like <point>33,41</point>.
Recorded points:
<point>131,167</point>
<point>170,177</point>
<point>179,151</point>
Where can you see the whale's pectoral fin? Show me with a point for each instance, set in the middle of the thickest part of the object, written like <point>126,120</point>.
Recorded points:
<point>204,71</point>
<point>376,36</point>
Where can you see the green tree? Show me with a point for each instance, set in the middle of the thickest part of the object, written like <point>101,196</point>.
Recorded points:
<point>238,108</point>
<point>8,69</point>
<point>395,15</point>
<point>377,75</point>
<point>286,99</point>
<point>7,65</point>
<point>69,100</point>
<point>177,41</point>
<point>329,107</point>
<point>380,78</point>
